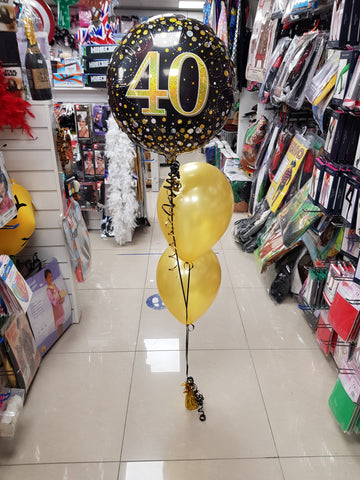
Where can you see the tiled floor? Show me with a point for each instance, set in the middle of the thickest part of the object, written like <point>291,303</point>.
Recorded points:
<point>107,403</point>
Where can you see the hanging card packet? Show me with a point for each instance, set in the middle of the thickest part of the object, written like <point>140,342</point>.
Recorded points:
<point>100,116</point>
<point>334,134</point>
<point>352,95</point>
<point>282,144</point>
<point>342,407</point>
<point>350,202</point>
<point>347,63</point>
<point>325,335</point>
<point>340,23</point>
<point>88,162</point>
<point>348,145</point>
<point>329,188</point>
<point>83,121</point>
<point>316,180</point>
<point>337,273</point>
<point>339,195</point>
<point>99,160</point>
<point>286,173</point>
<point>344,311</point>
<point>350,245</point>
<point>356,165</point>
<point>354,33</point>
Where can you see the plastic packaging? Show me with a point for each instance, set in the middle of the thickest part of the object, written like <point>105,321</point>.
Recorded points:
<point>11,404</point>
<point>324,81</point>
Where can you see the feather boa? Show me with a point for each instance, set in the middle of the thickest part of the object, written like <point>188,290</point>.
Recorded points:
<point>13,109</point>
<point>121,199</point>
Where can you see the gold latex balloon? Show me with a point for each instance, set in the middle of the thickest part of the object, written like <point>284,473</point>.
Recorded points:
<point>15,234</point>
<point>204,277</point>
<point>202,211</point>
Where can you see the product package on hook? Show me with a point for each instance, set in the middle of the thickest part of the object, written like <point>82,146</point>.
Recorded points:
<point>296,9</point>
<point>275,61</point>
<point>324,80</point>
<point>340,23</point>
<point>352,95</point>
<point>262,41</point>
<point>294,70</point>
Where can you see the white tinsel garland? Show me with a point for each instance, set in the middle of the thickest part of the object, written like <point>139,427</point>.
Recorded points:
<point>121,199</point>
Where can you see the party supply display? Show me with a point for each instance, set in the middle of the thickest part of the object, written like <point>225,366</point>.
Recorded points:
<point>203,206</point>
<point>205,270</point>
<point>170,85</point>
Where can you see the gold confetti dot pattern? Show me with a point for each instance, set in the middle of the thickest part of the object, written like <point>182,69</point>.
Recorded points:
<point>181,96</point>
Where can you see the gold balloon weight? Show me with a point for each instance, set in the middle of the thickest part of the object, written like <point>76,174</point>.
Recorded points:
<point>194,399</point>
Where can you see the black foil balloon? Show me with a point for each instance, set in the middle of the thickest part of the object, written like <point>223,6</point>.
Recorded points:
<point>170,84</point>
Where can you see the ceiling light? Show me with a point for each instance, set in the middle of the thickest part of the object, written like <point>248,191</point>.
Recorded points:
<point>190,4</point>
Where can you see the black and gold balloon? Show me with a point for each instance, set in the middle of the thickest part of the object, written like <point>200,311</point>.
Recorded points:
<point>170,84</point>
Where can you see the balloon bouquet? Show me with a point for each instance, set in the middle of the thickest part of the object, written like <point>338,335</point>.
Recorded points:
<point>170,90</point>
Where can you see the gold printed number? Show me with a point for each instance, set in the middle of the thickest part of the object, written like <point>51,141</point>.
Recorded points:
<point>153,94</point>
<point>174,84</point>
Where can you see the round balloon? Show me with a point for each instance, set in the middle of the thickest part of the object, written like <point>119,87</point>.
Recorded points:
<point>202,209</point>
<point>170,84</point>
<point>204,277</point>
<point>15,235</point>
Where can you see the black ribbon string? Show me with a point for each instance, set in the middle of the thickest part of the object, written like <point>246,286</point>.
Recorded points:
<point>173,185</point>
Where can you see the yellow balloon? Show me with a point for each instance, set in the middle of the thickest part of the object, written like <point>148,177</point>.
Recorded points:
<point>202,209</point>
<point>15,235</point>
<point>204,278</point>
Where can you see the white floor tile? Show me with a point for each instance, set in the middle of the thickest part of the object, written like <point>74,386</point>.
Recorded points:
<point>62,471</point>
<point>109,322</point>
<point>296,385</point>
<point>245,469</point>
<point>316,468</point>
<point>219,328</point>
<point>75,411</point>
<point>272,326</point>
<point>160,428</point>
<point>242,269</point>
<point>117,270</point>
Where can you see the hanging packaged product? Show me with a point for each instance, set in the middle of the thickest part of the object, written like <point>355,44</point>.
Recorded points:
<point>349,140</point>
<point>7,203</point>
<point>343,404</point>
<point>346,68</point>
<point>304,72</point>
<point>300,60</point>
<point>337,273</point>
<point>262,41</point>
<point>83,121</point>
<point>344,311</point>
<point>297,216</point>
<point>354,33</point>
<point>340,23</point>
<point>252,142</point>
<point>312,294</point>
<point>352,95</point>
<point>316,180</point>
<point>350,201</point>
<point>272,69</point>
<point>301,9</point>
<point>328,190</point>
<point>282,144</point>
<point>324,80</point>
<point>350,246</point>
<point>334,134</point>
<point>284,177</point>
<point>326,337</point>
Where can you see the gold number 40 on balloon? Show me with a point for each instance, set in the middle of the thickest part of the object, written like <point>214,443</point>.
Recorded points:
<point>153,94</point>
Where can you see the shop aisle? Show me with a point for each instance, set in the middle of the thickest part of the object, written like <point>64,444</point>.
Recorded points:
<point>107,402</point>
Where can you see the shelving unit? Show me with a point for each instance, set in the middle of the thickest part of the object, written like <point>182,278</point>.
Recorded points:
<point>33,163</point>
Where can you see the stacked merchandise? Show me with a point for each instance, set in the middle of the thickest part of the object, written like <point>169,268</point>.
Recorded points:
<point>96,59</point>
<point>302,155</point>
